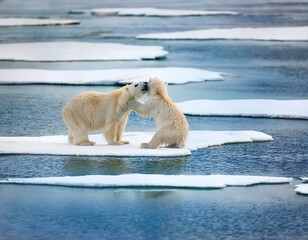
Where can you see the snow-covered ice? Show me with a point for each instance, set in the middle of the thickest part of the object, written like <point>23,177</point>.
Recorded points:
<point>11,22</point>
<point>151,180</point>
<point>78,51</point>
<point>292,109</point>
<point>151,12</point>
<point>58,145</point>
<point>302,189</point>
<point>270,34</point>
<point>171,75</point>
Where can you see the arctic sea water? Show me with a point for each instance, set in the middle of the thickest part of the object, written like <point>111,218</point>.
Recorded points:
<point>255,70</point>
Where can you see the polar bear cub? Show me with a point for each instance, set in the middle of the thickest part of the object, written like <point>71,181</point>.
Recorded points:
<point>92,111</point>
<point>172,126</point>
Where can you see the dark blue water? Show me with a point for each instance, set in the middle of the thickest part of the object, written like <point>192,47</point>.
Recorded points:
<point>255,70</point>
<point>75,213</point>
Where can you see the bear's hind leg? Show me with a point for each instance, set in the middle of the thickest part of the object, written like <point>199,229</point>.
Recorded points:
<point>172,146</point>
<point>175,140</point>
<point>81,138</point>
<point>175,145</point>
<point>154,143</point>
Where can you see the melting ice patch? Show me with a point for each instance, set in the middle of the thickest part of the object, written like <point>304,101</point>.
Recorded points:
<point>150,12</point>
<point>78,51</point>
<point>151,180</point>
<point>11,22</point>
<point>292,109</point>
<point>105,77</point>
<point>274,34</point>
<point>302,189</point>
<point>58,145</point>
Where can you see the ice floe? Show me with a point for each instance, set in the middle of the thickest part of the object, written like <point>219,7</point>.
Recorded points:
<point>151,180</point>
<point>304,179</point>
<point>292,109</point>
<point>78,51</point>
<point>57,145</point>
<point>171,75</point>
<point>302,189</point>
<point>270,34</point>
<point>11,22</point>
<point>151,12</point>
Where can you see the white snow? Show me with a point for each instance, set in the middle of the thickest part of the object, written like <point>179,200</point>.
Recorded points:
<point>151,12</point>
<point>293,109</point>
<point>10,22</point>
<point>151,180</point>
<point>302,188</point>
<point>274,34</point>
<point>58,145</point>
<point>78,51</point>
<point>171,75</point>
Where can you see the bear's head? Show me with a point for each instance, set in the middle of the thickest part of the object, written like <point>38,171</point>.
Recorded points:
<point>157,87</point>
<point>137,90</point>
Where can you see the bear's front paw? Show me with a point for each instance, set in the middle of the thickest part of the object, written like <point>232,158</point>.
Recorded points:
<point>125,142</point>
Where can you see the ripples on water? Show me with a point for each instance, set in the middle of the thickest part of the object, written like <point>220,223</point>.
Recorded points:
<point>74,213</point>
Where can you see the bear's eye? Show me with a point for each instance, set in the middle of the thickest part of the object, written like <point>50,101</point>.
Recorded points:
<point>136,85</point>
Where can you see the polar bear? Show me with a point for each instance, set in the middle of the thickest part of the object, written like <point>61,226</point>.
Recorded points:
<point>92,111</point>
<point>172,126</point>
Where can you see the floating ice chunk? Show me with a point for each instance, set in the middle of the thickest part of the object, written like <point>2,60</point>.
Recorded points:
<point>203,139</point>
<point>151,180</point>
<point>302,189</point>
<point>292,109</point>
<point>304,179</point>
<point>78,51</point>
<point>57,145</point>
<point>11,22</point>
<point>171,75</point>
<point>151,12</point>
<point>274,34</point>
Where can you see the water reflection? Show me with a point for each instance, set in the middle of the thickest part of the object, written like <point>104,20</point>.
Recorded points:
<point>143,194</point>
<point>75,165</point>
<point>165,165</point>
<point>90,166</point>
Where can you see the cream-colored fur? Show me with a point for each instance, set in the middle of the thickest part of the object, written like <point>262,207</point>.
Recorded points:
<point>172,126</point>
<point>92,111</point>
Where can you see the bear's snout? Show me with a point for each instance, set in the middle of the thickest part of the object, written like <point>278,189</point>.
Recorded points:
<point>144,86</point>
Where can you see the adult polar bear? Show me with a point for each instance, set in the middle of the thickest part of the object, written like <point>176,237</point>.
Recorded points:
<point>92,111</point>
<point>172,126</point>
